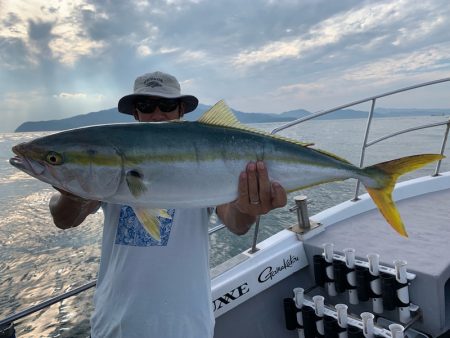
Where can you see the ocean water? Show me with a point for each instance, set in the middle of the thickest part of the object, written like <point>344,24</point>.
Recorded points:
<point>39,261</point>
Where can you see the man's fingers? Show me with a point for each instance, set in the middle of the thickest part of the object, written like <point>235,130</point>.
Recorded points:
<point>279,196</point>
<point>243,188</point>
<point>256,193</point>
<point>252,181</point>
<point>264,184</point>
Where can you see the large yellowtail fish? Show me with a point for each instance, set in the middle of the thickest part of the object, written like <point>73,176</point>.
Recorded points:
<point>192,164</point>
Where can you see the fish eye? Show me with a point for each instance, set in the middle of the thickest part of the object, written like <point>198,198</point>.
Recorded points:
<point>54,158</point>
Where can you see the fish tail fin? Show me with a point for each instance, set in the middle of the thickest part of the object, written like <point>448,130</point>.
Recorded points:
<point>381,190</point>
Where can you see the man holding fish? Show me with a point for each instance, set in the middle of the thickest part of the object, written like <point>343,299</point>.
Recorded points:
<point>154,272</point>
<point>157,183</point>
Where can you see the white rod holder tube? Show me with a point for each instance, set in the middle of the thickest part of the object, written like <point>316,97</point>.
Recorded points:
<point>351,275</point>
<point>400,271</point>
<point>397,331</point>
<point>341,310</point>
<point>374,264</point>
<point>299,297</point>
<point>375,284</point>
<point>301,333</point>
<point>328,251</point>
<point>319,303</point>
<point>368,326</point>
<point>403,290</point>
<point>349,254</point>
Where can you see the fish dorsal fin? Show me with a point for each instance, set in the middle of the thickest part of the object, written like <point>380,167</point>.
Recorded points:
<point>221,115</point>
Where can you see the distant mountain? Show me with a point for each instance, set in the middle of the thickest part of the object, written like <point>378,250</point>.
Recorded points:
<point>113,116</point>
<point>385,112</point>
<point>99,117</point>
<point>345,114</point>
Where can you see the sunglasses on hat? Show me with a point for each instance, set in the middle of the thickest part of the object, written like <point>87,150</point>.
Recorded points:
<point>164,105</point>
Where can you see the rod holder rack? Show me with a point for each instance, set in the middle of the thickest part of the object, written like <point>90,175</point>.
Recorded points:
<point>365,264</point>
<point>352,320</point>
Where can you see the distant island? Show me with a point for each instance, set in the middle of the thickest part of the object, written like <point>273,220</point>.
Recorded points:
<point>113,116</point>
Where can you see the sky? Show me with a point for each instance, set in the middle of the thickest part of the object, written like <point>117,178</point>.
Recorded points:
<point>60,58</point>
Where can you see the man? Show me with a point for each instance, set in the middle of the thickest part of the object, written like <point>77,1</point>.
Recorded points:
<point>149,288</point>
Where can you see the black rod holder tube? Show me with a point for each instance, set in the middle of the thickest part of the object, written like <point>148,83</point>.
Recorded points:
<point>354,332</point>
<point>340,276</point>
<point>320,274</point>
<point>290,314</point>
<point>331,327</point>
<point>362,283</point>
<point>388,291</point>
<point>309,322</point>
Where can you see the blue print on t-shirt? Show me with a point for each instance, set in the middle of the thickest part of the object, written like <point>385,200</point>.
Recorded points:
<point>131,232</point>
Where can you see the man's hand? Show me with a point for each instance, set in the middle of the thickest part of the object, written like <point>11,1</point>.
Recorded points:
<point>257,195</point>
<point>69,210</point>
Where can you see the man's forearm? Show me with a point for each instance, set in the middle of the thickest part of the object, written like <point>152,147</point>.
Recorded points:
<point>236,221</point>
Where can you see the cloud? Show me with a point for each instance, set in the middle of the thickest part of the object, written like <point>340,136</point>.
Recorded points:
<point>431,58</point>
<point>71,96</point>
<point>50,31</point>
<point>263,55</point>
<point>143,51</point>
<point>358,24</point>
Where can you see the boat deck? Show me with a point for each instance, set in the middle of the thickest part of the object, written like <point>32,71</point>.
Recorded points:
<point>426,250</point>
<point>369,233</point>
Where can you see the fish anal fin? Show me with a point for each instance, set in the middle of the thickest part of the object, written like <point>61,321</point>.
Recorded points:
<point>163,213</point>
<point>149,220</point>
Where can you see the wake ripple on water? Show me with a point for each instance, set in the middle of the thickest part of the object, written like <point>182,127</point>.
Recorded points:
<point>39,261</point>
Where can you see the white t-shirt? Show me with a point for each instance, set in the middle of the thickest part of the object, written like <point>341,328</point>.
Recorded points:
<point>152,289</point>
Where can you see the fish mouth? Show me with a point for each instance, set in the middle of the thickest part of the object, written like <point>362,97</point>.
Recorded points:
<point>20,161</point>
<point>16,149</point>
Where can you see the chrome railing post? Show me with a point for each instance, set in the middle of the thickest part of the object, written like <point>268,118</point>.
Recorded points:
<point>444,142</point>
<point>364,146</point>
<point>255,236</point>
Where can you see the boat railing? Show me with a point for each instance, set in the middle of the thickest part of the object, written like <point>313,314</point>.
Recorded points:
<point>38,307</point>
<point>366,143</point>
<point>11,319</point>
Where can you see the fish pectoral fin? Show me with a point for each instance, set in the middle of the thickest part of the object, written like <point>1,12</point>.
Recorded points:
<point>135,183</point>
<point>149,220</point>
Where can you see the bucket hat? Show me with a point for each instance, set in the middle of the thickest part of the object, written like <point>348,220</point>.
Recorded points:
<point>156,84</point>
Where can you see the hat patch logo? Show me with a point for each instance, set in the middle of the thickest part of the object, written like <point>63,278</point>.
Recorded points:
<point>152,83</point>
